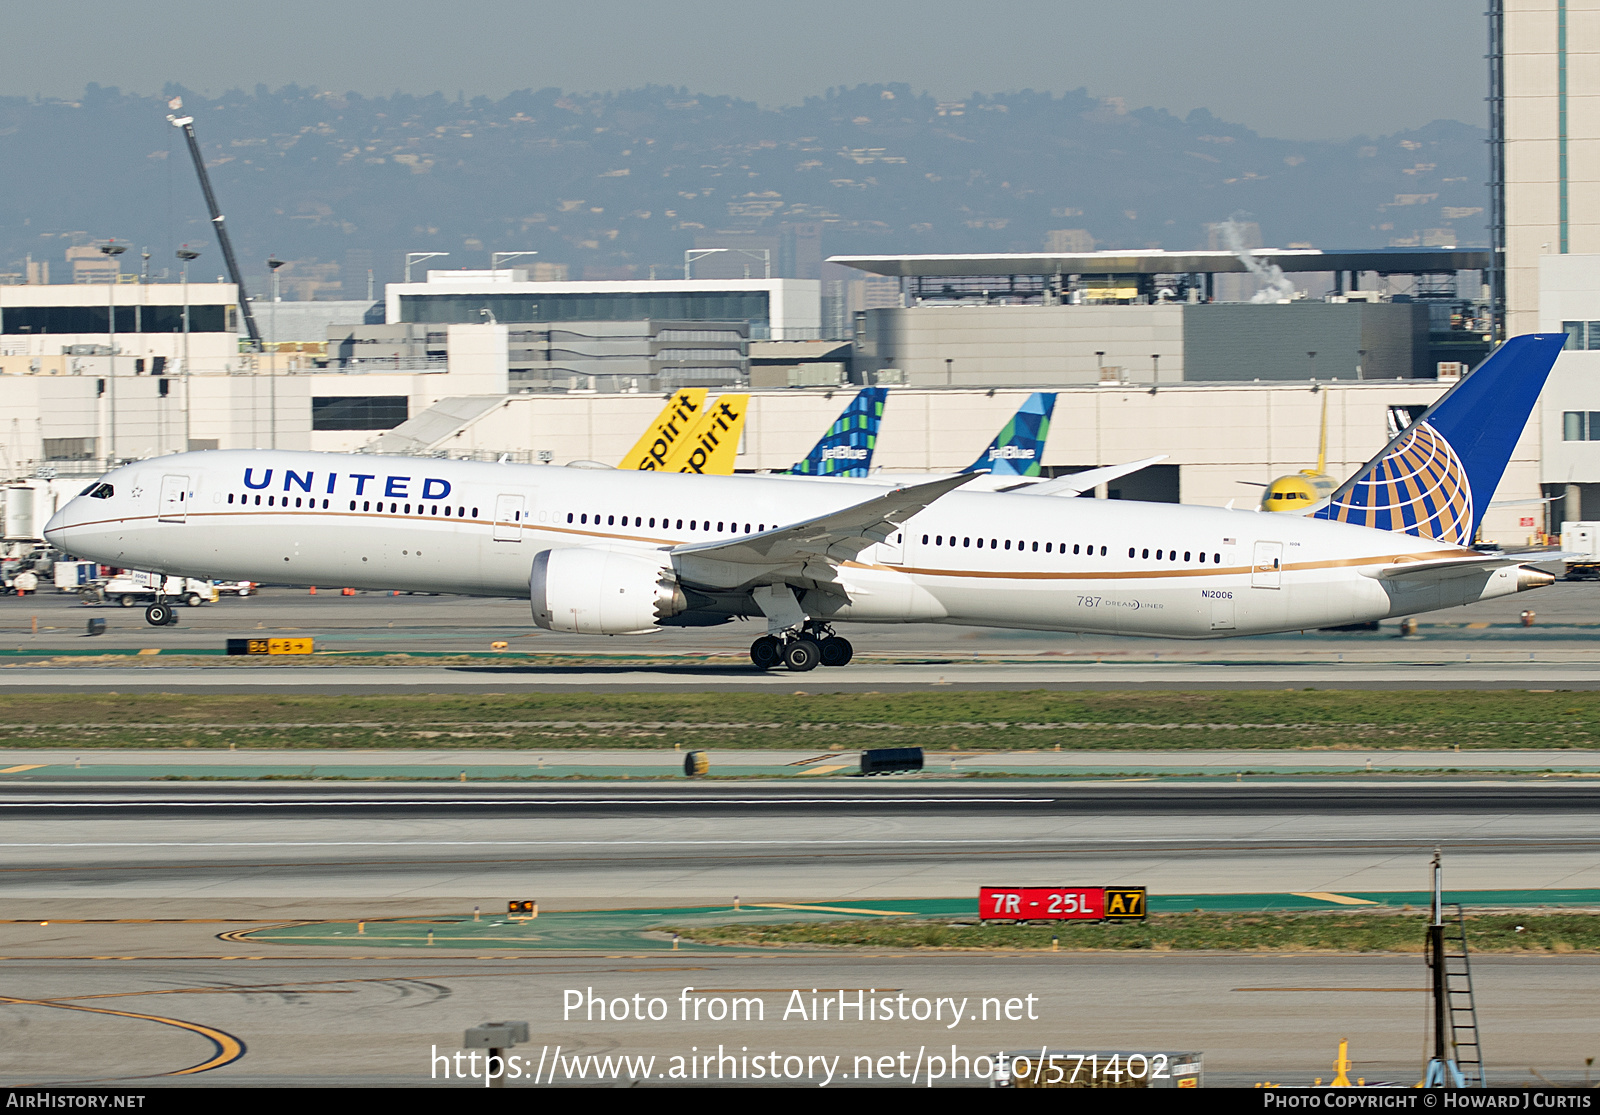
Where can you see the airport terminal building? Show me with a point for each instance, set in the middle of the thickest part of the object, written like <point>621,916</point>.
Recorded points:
<point>492,365</point>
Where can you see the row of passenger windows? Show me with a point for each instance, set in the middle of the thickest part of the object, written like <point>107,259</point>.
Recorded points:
<point>723,527</point>
<point>366,505</point>
<point>1060,548</point>
<point>1006,544</point>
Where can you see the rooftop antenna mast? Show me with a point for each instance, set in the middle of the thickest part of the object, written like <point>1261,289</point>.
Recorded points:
<point>187,124</point>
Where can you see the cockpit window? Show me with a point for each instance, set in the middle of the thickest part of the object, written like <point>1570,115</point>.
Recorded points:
<point>101,491</point>
<point>90,488</point>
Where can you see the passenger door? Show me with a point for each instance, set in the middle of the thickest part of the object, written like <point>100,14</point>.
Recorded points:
<point>1266,570</point>
<point>509,514</point>
<point>174,499</point>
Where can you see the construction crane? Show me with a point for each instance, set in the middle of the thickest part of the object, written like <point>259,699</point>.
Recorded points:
<point>187,124</point>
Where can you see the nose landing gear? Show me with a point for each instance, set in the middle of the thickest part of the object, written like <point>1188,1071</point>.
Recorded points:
<point>812,646</point>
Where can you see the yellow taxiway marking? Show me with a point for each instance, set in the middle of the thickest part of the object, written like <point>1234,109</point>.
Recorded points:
<point>265,988</point>
<point>152,650</point>
<point>1337,899</point>
<point>228,1048</point>
<point>822,770</point>
<point>825,909</point>
<point>19,770</point>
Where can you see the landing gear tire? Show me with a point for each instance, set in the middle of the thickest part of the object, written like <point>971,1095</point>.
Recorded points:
<point>192,600</point>
<point>802,654</point>
<point>126,601</point>
<point>159,615</point>
<point>766,652</point>
<point>837,651</point>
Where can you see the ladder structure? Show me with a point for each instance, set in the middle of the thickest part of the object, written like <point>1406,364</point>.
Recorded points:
<point>1457,1053</point>
<point>1461,1010</point>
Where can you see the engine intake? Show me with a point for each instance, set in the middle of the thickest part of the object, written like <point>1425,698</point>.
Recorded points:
<point>587,590</point>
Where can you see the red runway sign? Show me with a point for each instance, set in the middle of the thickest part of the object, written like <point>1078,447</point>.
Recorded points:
<point>1060,903</point>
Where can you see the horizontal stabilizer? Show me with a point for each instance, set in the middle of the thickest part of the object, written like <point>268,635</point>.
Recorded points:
<point>1079,482</point>
<point>1461,566</point>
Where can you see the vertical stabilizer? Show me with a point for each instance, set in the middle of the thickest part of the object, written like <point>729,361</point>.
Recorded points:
<point>1437,477</point>
<point>662,440</point>
<point>1018,449</point>
<point>846,449</point>
<point>712,444</point>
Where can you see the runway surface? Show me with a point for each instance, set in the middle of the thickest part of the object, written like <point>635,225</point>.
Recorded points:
<point>53,765</point>
<point>1483,646</point>
<point>656,844</point>
<point>1470,672</point>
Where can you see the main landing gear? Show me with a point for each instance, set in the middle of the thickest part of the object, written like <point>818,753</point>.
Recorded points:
<point>812,646</point>
<point>161,614</point>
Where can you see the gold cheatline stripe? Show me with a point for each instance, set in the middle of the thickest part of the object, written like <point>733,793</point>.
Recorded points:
<point>228,1047</point>
<point>1213,571</point>
<point>981,574</point>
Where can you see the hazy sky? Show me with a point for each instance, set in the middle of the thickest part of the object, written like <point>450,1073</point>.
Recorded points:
<point>1286,68</point>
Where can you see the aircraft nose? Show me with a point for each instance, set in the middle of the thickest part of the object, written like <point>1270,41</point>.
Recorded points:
<point>58,531</point>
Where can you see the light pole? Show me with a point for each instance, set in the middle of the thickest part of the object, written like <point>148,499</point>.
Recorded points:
<point>1361,360</point>
<point>418,257</point>
<point>185,254</point>
<point>1155,366</point>
<point>1311,360</point>
<point>112,250</point>
<point>273,263</point>
<point>497,258</point>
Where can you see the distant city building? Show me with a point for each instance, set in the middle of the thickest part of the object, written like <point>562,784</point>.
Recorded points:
<point>90,265</point>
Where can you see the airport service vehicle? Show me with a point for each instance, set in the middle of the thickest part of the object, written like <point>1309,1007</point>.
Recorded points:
<point>131,587</point>
<point>613,552</point>
<point>1581,543</point>
<point>75,576</point>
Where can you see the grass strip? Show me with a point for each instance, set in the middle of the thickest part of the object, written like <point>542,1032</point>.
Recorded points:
<point>1311,932</point>
<point>813,718</point>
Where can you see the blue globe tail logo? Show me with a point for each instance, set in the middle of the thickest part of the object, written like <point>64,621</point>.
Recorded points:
<point>1419,487</point>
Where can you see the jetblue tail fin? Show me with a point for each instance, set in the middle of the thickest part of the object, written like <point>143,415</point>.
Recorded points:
<point>1436,478</point>
<point>846,449</point>
<point>1018,449</point>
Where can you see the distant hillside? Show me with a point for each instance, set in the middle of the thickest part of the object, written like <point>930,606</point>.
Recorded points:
<point>611,185</point>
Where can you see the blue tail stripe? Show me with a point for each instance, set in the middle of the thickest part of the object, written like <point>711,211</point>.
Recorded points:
<point>1438,477</point>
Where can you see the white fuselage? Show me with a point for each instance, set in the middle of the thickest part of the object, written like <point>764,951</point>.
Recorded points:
<point>992,559</point>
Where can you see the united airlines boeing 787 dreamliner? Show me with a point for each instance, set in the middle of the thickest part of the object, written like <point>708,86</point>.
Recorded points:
<point>611,552</point>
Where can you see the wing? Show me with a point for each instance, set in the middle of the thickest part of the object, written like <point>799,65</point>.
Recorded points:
<point>808,552</point>
<point>1080,482</point>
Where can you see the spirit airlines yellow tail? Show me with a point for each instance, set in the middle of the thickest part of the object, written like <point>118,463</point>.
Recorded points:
<point>711,445</point>
<point>662,441</point>
<point>690,436</point>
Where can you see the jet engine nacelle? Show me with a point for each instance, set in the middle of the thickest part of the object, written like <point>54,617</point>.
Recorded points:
<point>588,590</point>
